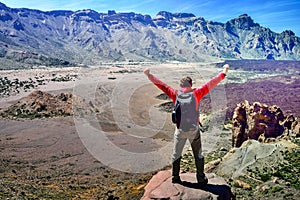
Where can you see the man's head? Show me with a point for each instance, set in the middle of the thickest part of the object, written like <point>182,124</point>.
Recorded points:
<point>186,82</point>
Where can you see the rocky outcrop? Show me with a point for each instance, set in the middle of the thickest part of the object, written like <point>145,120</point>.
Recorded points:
<point>161,187</point>
<point>261,170</point>
<point>40,104</point>
<point>259,122</point>
<point>251,155</point>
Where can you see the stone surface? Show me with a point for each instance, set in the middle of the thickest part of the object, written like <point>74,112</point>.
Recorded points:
<point>161,187</point>
<point>252,155</point>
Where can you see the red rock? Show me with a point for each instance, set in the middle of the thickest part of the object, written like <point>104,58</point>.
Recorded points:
<point>161,187</point>
<point>257,121</point>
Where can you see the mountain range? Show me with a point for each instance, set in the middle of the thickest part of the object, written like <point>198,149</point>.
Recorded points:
<point>31,37</point>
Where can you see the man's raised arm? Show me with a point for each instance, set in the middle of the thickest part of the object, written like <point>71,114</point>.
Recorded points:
<point>200,92</point>
<point>171,92</point>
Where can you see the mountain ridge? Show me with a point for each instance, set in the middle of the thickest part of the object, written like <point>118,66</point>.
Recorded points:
<point>61,37</point>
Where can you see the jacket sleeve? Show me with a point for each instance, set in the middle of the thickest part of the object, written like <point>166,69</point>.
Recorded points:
<point>204,90</point>
<point>171,92</point>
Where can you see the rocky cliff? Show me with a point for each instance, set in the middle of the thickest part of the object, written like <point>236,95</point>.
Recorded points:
<point>33,37</point>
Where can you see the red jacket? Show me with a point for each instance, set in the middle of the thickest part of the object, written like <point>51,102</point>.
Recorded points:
<point>198,92</point>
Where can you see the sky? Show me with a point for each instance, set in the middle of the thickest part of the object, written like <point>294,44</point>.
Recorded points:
<point>278,15</point>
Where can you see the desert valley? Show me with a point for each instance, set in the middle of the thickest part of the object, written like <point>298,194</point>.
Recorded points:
<point>45,156</point>
<point>80,120</point>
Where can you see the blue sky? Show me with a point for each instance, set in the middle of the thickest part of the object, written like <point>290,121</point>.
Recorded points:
<point>278,15</point>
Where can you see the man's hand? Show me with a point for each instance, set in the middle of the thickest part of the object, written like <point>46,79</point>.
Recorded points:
<point>225,68</point>
<point>147,72</point>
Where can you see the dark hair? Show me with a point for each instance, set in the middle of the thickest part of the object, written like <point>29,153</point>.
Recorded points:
<point>186,82</point>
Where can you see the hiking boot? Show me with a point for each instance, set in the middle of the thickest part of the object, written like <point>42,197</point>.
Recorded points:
<point>176,179</point>
<point>202,180</point>
<point>175,171</point>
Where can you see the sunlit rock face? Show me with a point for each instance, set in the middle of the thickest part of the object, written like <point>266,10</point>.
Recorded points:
<point>34,37</point>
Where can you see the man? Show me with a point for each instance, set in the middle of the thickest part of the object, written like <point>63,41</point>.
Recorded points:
<point>193,134</point>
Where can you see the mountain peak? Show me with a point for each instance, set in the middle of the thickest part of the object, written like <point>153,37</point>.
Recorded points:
<point>183,15</point>
<point>3,6</point>
<point>169,16</point>
<point>244,16</point>
<point>244,21</point>
<point>288,33</point>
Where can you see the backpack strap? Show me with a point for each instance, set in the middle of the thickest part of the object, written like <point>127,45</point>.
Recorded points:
<point>192,93</point>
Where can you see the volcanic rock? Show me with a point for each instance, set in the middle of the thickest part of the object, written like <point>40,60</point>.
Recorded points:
<point>256,121</point>
<point>161,187</point>
<point>251,156</point>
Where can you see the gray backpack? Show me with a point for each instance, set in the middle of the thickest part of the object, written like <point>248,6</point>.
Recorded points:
<point>185,115</point>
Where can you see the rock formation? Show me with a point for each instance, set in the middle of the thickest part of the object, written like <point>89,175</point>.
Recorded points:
<point>40,104</point>
<point>161,187</point>
<point>259,122</point>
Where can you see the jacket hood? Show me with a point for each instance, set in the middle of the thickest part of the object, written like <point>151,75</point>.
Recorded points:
<point>186,89</point>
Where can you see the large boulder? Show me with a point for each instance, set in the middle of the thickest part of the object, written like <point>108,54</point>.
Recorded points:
<point>261,170</point>
<point>257,121</point>
<point>161,187</point>
<point>252,155</point>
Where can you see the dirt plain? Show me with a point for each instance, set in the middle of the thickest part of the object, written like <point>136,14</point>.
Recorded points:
<point>45,158</point>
